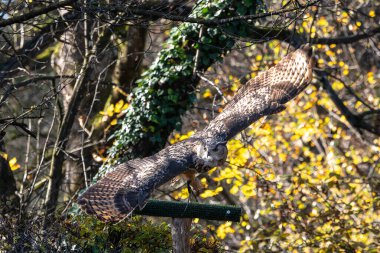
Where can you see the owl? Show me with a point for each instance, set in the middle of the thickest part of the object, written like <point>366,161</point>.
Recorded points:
<point>130,184</point>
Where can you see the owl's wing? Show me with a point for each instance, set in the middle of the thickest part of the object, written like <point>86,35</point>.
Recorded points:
<point>265,94</point>
<point>130,184</point>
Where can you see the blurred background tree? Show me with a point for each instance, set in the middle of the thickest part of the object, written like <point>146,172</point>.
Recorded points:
<point>87,84</point>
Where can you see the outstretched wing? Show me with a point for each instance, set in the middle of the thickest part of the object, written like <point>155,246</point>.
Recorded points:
<point>119,192</point>
<point>265,94</point>
<point>116,195</point>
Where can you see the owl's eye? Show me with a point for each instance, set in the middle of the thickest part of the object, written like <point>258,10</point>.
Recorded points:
<point>217,146</point>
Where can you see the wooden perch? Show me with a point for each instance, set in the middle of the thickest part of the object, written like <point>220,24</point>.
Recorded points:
<point>190,210</point>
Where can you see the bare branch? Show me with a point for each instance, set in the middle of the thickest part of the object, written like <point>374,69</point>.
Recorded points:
<point>35,13</point>
<point>214,22</point>
<point>354,119</point>
<point>27,82</point>
<point>296,39</point>
<point>44,38</point>
<point>347,39</point>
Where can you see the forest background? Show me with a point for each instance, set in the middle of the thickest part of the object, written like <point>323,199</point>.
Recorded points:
<point>85,85</point>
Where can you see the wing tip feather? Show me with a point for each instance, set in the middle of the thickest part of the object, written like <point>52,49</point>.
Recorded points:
<point>109,207</point>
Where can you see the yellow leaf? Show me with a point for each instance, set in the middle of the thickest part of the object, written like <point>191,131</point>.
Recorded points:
<point>113,122</point>
<point>207,94</point>
<point>109,110</point>
<point>234,189</point>
<point>13,164</point>
<point>331,63</point>
<point>4,155</point>
<point>308,105</point>
<point>301,205</point>
<point>314,212</point>
<point>119,106</point>
<point>248,191</point>
<point>211,193</point>
<point>126,105</point>
<point>259,57</point>
<point>330,53</point>
<point>371,78</point>
<point>282,157</point>
<point>234,87</point>
<point>185,136</point>
<point>13,161</point>
<point>224,229</point>
<point>372,13</point>
<point>321,62</point>
<point>15,167</point>
<point>323,22</point>
<point>183,194</point>
<point>276,204</point>
<point>337,85</point>
<point>271,176</point>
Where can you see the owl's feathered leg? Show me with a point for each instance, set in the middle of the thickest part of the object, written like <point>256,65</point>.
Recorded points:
<point>194,187</point>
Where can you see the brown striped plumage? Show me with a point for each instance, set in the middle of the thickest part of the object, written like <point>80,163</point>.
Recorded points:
<point>129,186</point>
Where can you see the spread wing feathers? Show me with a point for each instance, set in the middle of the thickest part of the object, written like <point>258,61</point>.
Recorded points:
<point>119,192</point>
<point>129,186</point>
<point>265,94</point>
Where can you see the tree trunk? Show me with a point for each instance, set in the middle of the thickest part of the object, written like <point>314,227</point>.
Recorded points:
<point>7,182</point>
<point>181,235</point>
<point>130,55</point>
<point>85,82</point>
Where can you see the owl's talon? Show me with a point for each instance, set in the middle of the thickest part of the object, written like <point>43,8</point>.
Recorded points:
<point>191,192</point>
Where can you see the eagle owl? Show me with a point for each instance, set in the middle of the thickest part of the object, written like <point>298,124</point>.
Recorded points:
<point>130,184</point>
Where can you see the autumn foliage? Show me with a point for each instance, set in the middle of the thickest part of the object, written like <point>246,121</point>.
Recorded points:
<point>307,179</point>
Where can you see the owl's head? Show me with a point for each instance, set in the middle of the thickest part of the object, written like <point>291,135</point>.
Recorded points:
<point>210,154</point>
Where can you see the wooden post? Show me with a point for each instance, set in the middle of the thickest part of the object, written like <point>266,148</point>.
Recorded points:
<point>181,235</point>
<point>182,214</point>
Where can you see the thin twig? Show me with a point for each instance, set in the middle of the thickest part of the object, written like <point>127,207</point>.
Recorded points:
<point>213,85</point>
